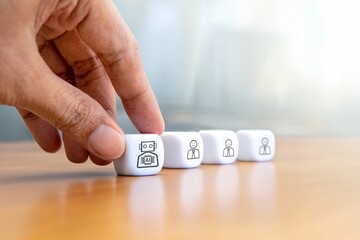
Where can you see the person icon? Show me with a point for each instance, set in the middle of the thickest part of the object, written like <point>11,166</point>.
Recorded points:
<point>193,153</point>
<point>228,150</point>
<point>265,148</point>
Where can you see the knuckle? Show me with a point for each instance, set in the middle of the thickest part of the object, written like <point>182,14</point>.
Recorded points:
<point>128,47</point>
<point>65,16</point>
<point>134,96</point>
<point>28,116</point>
<point>66,76</point>
<point>77,118</point>
<point>88,70</point>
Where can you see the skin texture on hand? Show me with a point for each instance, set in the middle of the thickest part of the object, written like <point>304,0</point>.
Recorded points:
<point>62,62</point>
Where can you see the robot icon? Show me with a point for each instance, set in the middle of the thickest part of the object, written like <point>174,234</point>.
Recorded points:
<point>148,158</point>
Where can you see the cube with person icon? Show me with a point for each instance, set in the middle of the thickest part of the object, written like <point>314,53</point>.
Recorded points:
<point>256,145</point>
<point>182,149</point>
<point>220,146</point>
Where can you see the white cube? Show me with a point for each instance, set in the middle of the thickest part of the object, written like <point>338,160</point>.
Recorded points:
<point>220,146</point>
<point>256,145</point>
<point>144,155</point>
<point>182,149</point>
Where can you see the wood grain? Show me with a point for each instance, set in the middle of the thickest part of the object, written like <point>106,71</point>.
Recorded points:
<point>310,191</point>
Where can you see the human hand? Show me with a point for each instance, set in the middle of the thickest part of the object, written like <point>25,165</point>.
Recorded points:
<point>61,62</point>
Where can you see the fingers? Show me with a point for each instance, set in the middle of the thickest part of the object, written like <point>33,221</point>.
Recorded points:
<point>90,75</point>
<point>71,111</point>
<point>44,134</point>
<point>99,161</point>
<point>75,153</point>
<point>105,32</point>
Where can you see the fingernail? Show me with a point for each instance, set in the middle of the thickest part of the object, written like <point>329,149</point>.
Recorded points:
<point>106,142</point>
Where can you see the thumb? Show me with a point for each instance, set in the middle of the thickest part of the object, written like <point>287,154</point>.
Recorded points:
<point>73,112</point>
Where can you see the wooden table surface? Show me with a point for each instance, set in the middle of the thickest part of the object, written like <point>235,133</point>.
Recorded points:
<point>310,191</point>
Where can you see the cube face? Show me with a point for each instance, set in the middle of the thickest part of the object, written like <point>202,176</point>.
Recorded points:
<point>256,145</point>
<point>182,149</point>
<point>144,155</point>
<point>220,146</point>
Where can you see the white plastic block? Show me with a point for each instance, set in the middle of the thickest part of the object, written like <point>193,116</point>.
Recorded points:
<point>182,149</point>
<point>144,155</point>
<point>256,145</point>
<point>220,146</point>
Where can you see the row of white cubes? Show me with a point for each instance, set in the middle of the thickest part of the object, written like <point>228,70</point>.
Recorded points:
<point>147,154</point>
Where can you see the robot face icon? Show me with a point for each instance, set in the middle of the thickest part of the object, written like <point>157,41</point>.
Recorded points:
<point>147,146</point>
<point>148,158</point>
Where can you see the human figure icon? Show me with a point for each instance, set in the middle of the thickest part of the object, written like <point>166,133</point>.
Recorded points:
<point>193,153</point>
<point>228,150</point>
<point>148,158</point>
<point>265,148</point>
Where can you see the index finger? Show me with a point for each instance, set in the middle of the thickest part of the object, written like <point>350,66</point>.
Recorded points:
<point>107,34</point>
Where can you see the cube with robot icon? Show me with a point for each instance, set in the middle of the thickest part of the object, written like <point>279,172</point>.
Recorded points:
<point>144,155</point>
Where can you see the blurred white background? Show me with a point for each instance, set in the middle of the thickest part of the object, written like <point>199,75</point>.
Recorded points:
<point>286,65</point>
